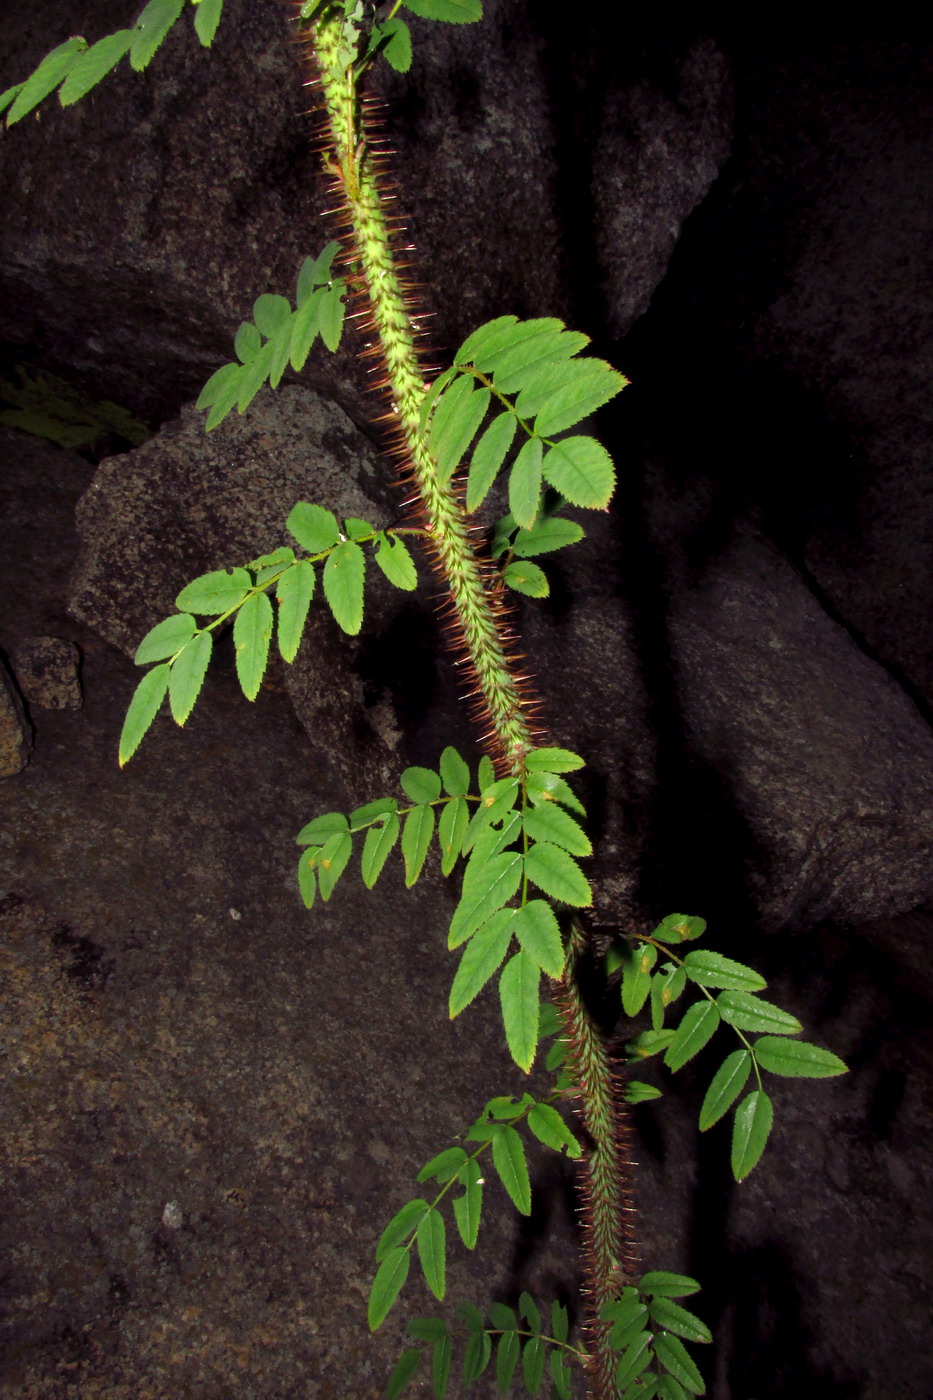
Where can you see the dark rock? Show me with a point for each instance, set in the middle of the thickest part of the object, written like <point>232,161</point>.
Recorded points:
<point>15,733</point>
<point>47,669</point>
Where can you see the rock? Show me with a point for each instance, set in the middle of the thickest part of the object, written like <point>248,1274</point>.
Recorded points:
<point>215,191</point>
<point>15,734</point>
<point>47,672</point>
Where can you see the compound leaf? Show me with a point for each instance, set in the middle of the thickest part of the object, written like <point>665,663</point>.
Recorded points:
<point>481,959</point>
<point>432,1238</point>
<point>314,528</point>
<point>252,633</point>
<point>558,874</point>
<point>395,561</point>
<point>293,594</point>
<point>700,1022</point>
<point>508,1155</point>
<point>753,1119</point>
<point>387,1285</point>
<point>93,65</point>
<point>581,469</point>
<point>165,639</point>
<point>217,592</point>
<point>520,998</point>
<point>797,1059</point>
<point>188,671</point>
<point>728,1082</point>
<point>376,848</point>
<point>344,577</point>
<point>416,838</point>
<point>144,706</point>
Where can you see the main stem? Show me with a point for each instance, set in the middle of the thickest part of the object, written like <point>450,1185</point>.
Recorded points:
<point>475,611</point>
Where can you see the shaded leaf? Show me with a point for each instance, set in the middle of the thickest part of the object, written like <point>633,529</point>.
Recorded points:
<point>507,1354</point>
<point>700,1022</point>
<point>679,928</point>
<point>440,1359</point>
<point>533,1359</point>
<point>344,577</point>
<point>407,1364</point>
<point>728,1082</point>
<point>187,677</point>
<point>661,1284</point>
<point>560,1374</point>
<point>431,1238</point>
<point>144,706</point>
<point>750,1013</point>
<point>635,1358</point>
<point>468,1207</point>
<point>753,1119</point>
<point>797,1059</point>
<point>388,1283</point>
<point>476,1359</point>
<point>673,1318</point>
<point>673,1355</point>
<point>636,978</point>
<point>508,1155</point>
<point>637,1091</point>
<point>452,11</point>
<point>549,1127</point>
<point>552,760</point>
<point>711,969</point>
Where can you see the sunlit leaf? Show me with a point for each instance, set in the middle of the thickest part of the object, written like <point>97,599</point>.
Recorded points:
<point>581,469</point>
<point>151,28</point>
<point>481,960</point>
<point>165,639</point>
<point>206,20</point>
<point>144,706</point>
<point>416,838</point>
<point>51,71</point>
<point>217,592</point>
<point>293,594</point>
<point>344,578</point>
<point>252,633</point>
<point>314,528</point>
<point>508,1155</point>
<point>558,874</point>
<point>711,969</point>
<point>388,1283</point>
<point>525,483</point>
<point>431,1239</point>
<point>376,847</point>
<point>519,996</point>
<point>187,677</point>
<point>395,561</point>
<point>488,456</point>
<point>94,64</point>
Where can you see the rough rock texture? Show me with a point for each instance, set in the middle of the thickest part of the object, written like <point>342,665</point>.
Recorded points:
<point>213,193</point>
<point>15,733</point>
<point>47,669</point>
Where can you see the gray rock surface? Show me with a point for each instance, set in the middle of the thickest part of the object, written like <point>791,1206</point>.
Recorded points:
<point>15,733</point>
<point>48,672</point>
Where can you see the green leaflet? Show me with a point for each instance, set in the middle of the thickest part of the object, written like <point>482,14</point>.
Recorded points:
<point>550,823</point>
<point>728,1082</point>
<point>549,1127</point>
<point>393,40</point>
<point>401,1227</point>
<point>344,577</point>
<point>144,706</point>
<point>455,773</point>
<point>558,874</point>
<point>206,20</point>
<point>548,533</point>
<point>753,1119</point>
<point>750,1013</point>
<point>538,932</point>
<point>637,1091</point>
<point>583,386</point>
<point>797,1059</point>
<point>488,456</point>
<point>379,807</point>
<point>388,1283</point>
<point>395,561</point>
<point>332,312</point>
<point>648,1043</point>
<point>416,838</point>
<point>528,1309</point>
<point>635,1358</point>
<point>700,1022</point>
<point>521,365</point>
<point>710,969</point>
<point>661,1284</point>
<point>441,1356</point>
<point>293,594</point>
<point>508,1155</point>
<point>254,375</point>
<point>421,784</point>
<point>314,528</point>
<point>452,11</point>
<point>673,1318</point>
<point>468,1207</point>
<point>485,890</point>
<point>270,313</point>
<point>307,877</point>
<point>507,1354</point>
<point>431,1238</point>
<point>333,861</point>
<point>503,337</point>
<point>481,959</point>
<point>677,928</point>
<point>427,1329</point>
<point>54,67</point>
<point>306,325</point>
<point>450,441</point>
<point>444,1165</point>
<point>252,633</point>
<point>581,469</point>
<point>451,829</point>
<point>478,1352</point>
<point>376,847</point>
<point>187,676</point>
<point>543,788</point>
<point>636,978</point>
<point>151,28</point>
<point>551,760</point>
<point>534,1357</point>
<point>526,577</point>
<point>223,389</point>
<point>93,65</point>
<point>560,1320</point>
<point>484,335</point>
<point>520,999</point>
<point>321,829</point>
<point>404,1370</point>
<point>673,1355</point>
<point>165,639</point>
<point>525,483</point>
<point>217,592</point>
